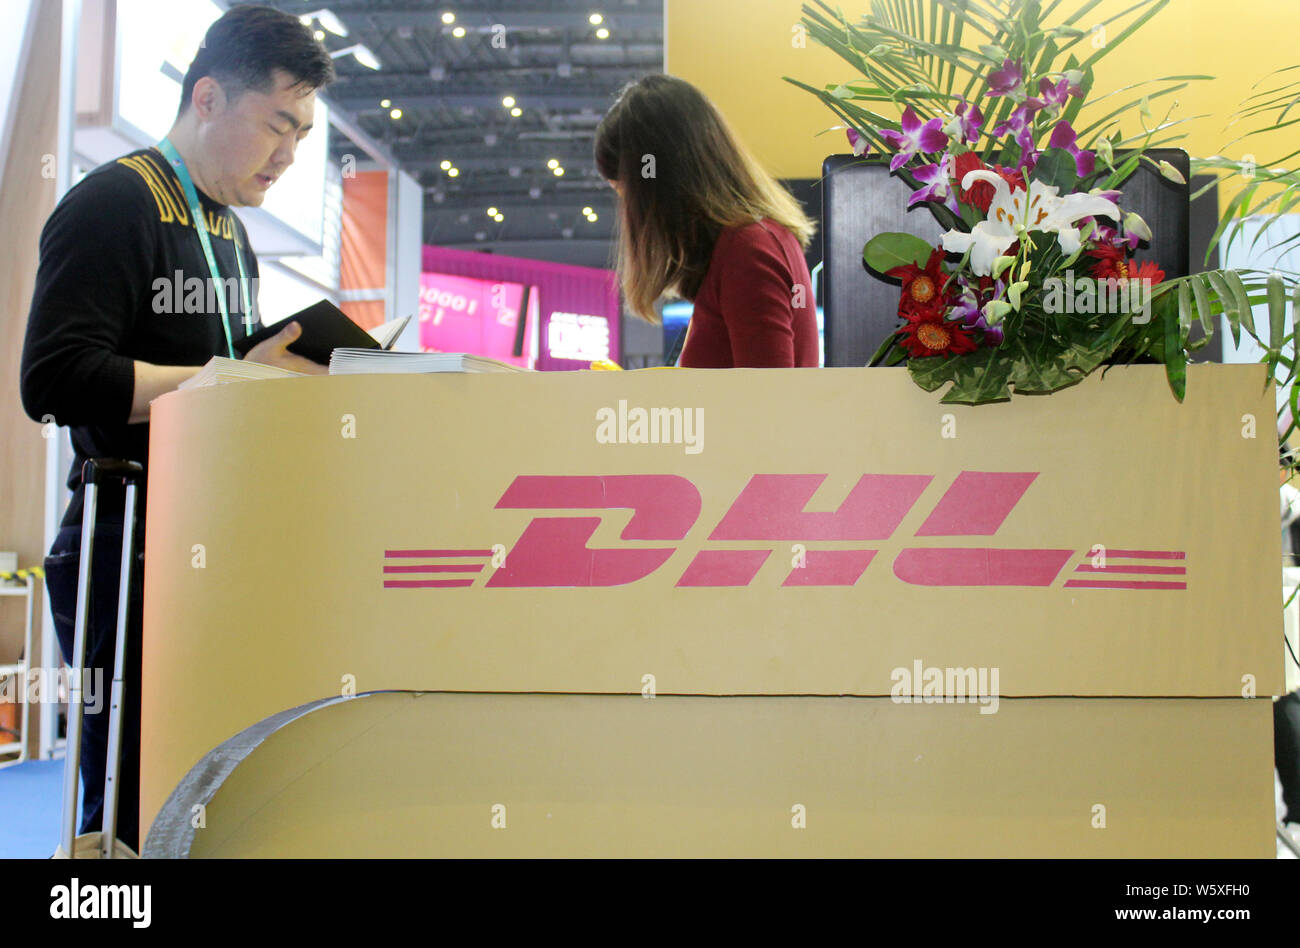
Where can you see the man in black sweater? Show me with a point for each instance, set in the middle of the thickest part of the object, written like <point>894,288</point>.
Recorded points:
<point>145,274</point>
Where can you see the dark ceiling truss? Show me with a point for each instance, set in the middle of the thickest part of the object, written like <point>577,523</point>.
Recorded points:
<point>449,89</point>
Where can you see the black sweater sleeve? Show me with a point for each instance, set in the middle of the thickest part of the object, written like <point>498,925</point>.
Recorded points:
<point>96,267</point>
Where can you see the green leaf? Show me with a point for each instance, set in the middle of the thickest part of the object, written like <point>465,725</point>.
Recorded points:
<point>1276,311</point>
<point>1057,166</point>
<point>980,378</point>
<point>933,371</point>
<point>1175,357</point>
<point>886,251</point>
<point>1243,301</point>
<point>1203,308</point>
<point>1295,334</point>
<point>1229,303</point>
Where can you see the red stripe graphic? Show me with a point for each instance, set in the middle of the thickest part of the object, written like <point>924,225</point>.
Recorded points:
<point>425,583</point>
<point>723,567</point>
<point>1086,568</point>
<point>980,567</point>
<point>429,554</point>
<point>434,569</point>
<point>1147,554</point>
<point>831,568</point>
<point>976,504</point>
<point>1103,584</point>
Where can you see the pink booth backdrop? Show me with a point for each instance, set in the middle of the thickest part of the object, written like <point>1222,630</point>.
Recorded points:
<point>582,300</point>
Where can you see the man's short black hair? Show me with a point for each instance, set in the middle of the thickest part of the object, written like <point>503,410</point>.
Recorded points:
<point>247,44</point>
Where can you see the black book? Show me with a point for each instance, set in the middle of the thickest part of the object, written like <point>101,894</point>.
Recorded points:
<point>325,328</point>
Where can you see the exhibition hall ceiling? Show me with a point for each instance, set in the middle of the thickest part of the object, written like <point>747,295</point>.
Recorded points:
<point>484,101</point>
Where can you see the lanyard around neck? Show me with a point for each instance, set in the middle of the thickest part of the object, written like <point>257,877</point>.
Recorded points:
<point>200,224</point>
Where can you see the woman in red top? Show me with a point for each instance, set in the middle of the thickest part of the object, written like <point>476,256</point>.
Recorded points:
<point>701,220</point>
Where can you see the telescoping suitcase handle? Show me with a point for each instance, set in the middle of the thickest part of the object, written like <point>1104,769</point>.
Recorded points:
<point>94,472</point>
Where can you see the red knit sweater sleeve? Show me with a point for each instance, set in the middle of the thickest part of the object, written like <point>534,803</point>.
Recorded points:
<point>757,298</point>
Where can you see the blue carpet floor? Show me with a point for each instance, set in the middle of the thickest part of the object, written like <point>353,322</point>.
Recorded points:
<point>31,796</point>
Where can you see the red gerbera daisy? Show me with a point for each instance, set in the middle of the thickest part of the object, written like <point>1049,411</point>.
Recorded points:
<point>927,333</point>
<point>922,286</point>
<point>1146,270</point>
<point>1111,262</point>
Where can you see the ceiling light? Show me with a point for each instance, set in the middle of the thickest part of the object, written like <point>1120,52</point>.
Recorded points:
<point>508,102</point>
<point>567,233</point>
<point>515,171</point>
<point>602,33</point>
<point>595,19</point>
<point>553,163</point>
<point>385,103</point>
<point>453,172</point>
<point>492,212</point>
<point>449,18</point>
<point>593,218</point>
<point>445,164</point>
<point>319,34</point>
<point>458,32</point>
<point>361,52</point>
<point>516,111</point>
<point>587,212</point>
<point>480,235</point>
<point>499,218</point>
<point>558,172</point>
<point>534,193</point>
<point>396,113</point>
<point>326,19</point>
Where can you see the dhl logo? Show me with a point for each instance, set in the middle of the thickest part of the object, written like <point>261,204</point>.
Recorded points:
<point>553,551</point>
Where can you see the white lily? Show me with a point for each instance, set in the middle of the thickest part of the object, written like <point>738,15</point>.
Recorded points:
<point>1014,214</point>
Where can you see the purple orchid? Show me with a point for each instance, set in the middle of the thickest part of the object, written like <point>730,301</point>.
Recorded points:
<point>1020,124</point>
<point>968,310</point>
<point>857,142</point>
<point>1009,80</point>
<point>914,138</point>
<point>967,121</point>
<point>1055,95</point>
<point>1063,136</point>
<point>938,184</point>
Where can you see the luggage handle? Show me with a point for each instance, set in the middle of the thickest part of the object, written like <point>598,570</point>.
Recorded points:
<point>94,472</point>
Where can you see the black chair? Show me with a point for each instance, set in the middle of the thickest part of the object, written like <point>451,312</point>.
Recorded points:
<point>861,199</point>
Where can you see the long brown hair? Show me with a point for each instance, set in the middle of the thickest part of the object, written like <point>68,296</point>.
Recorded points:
<point>684,177</point>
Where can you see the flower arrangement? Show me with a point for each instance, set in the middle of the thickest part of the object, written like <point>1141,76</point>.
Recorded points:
<point>1039,278</point>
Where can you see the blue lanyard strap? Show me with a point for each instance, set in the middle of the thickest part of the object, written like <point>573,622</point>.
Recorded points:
<point>201,225</point>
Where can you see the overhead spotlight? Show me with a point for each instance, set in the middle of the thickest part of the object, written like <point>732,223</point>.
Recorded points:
<point>453,172</point>
<point>566,233</point>
<point>385,103</point>
<point>326,19</point>
<point>587,212</point>
<point>361,52</point>
<point>534,193</point>
<point>480,235</point>
<point>492,212</point>
<point>595,19</point>
<point>602,33</point>
<point>396,114</point>
<point>490,139</point>
<point>593,218</point>
<point>458,32</point>
<point>449,18</point>
<point>515,171</point>
<point>499,218</point>
<point>508,102</point>
<point>553,163</point>
<point>319,34</point>
<point>558,172</point>
<point>516,111</point>
<point>445,164</point>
